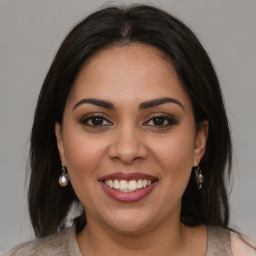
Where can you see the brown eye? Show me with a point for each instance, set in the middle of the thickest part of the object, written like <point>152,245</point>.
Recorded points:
<point>161,121</point>
<point>95,121</point>
<point>158,120</point>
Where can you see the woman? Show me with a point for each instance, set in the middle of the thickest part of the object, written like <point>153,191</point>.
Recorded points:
<point>130,124</point>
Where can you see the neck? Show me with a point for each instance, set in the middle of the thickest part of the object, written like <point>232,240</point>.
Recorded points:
<point>170,236</point>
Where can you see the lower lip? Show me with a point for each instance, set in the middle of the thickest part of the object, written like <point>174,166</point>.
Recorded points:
<point>128,197</point>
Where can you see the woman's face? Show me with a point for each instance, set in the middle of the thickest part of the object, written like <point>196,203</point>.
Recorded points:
<point>129,123</point>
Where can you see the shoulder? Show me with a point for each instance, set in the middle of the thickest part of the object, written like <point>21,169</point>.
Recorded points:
<point>241,245</point>
<point>223,240</point>
<point>55,244</point>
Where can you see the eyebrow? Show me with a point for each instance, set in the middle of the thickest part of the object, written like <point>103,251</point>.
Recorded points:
<point>97,102</point>
<point>144,105</point>
<point>157,102</point>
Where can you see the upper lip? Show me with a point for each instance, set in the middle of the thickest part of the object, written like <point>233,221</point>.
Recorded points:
<point>127,176</point>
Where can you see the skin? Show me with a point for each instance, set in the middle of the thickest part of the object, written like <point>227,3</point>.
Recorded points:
<point>128,140</point>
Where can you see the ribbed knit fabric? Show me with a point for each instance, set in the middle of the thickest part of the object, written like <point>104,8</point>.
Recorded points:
<point>64,243</point>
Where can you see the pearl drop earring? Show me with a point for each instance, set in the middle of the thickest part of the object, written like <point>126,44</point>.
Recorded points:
<point>63,179</point>
<point>199,177</point>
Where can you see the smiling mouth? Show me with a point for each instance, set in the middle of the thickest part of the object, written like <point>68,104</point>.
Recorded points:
<point>128,186</point>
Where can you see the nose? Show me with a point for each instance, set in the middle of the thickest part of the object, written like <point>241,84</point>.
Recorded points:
<point>128,146</point>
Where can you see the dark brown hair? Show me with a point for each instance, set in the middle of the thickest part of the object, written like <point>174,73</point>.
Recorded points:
<point>48,202</point>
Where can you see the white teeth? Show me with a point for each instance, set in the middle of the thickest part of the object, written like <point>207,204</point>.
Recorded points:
<point>139,183</point>
<point>116,184</point>
<point>128,186</point>
<point>111,183</point>
<point>123,184</point>
<point>132,185</point>
<point>144,183</point>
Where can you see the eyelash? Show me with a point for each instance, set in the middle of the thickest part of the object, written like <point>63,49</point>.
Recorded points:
<point>86,119</point>
<point>165,118</point>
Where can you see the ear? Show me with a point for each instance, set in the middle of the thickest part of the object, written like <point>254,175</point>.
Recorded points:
<point>58,134</point>
<point>200,142</point>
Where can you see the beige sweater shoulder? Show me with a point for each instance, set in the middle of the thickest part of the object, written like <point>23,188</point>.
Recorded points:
<point>64,243</point>
<point>59,244</point>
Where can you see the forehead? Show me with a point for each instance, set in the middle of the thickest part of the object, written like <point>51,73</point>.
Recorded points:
<point>127,72</point>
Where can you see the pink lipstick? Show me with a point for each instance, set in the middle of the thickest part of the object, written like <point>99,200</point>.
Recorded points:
<point>128,187</point>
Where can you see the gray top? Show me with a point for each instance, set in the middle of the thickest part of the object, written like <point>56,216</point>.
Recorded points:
<point>64,244</point>
<point>218,242</point>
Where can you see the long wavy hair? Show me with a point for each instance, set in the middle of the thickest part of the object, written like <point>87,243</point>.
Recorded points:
<point>49,204</point>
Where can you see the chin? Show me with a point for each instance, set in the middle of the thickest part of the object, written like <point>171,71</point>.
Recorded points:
<point>129,227</point>
<point>130,222</point>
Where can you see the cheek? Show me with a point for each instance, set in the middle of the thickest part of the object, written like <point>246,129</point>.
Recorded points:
<point>84,160</point>
<point>175,155</point>
<point>83,154</point>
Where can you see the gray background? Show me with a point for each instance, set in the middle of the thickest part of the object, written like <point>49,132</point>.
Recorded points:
<point>30,33</point>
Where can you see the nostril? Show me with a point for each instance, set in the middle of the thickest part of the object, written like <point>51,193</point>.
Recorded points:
<point>127,147</point>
